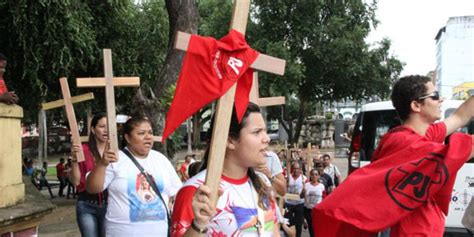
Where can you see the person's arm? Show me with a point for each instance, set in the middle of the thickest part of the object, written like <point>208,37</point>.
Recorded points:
<point>461,116</point>
<point>9,97</point>
<point>95,180</point>
<point>75,175</point>
<point>202,209</point>
<point>279,184</point>
<point>337,173</point>
<point>278,181</point>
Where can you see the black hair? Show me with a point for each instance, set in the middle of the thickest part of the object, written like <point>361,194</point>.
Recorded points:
<point>262,189</point>
<point>130,125</point>
<point>406,90</point>
<point>193,168</point>
<point>3,57</point>
<point>92,142</point>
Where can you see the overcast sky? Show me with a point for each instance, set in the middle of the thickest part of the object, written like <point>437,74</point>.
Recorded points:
<point>412,25</point>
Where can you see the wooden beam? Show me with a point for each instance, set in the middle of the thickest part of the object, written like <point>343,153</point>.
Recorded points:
<point>110,101</point>
<point>100,82</point>
<point>309,161</point>
<point>254,95</point>
<point>222,118</point>
<point>60,103</point>
<point>71,117</point>
<point>270,101</point>
<point>263,62</point>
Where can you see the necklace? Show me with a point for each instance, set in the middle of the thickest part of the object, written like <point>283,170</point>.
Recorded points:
<point>258,225</point>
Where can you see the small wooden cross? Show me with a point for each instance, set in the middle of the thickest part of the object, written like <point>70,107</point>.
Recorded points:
<point>67,102</point>
<point>226,102</point>
<point>309,161</point>
<point>109,82</point>
<point>266,101</point>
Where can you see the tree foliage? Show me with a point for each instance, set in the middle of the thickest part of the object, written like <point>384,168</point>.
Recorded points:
<point>327,56</point>
<point>45,40</point>
<point>323,43</point>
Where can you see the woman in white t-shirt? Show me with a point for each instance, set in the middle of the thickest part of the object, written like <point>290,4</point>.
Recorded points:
<point>246,206</point>
<point>313,194</point>
<point>134,208</point>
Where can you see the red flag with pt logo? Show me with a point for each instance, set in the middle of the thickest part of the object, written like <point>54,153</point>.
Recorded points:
<point>379,195</point>
<point>209,70</point>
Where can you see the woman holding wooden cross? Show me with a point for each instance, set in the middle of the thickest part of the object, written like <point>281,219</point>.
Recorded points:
<point>141,183</point>
<point>246,205</point>
<point>90,208</point>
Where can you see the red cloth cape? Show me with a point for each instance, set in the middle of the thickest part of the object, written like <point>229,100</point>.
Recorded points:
<point>378,195</point>
<point>210,69</point>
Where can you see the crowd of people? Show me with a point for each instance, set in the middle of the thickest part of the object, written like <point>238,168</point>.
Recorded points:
<point>136,191</point>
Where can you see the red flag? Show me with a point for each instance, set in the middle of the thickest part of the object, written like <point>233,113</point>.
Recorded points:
<point>379,195</point>
<point>210,69</point>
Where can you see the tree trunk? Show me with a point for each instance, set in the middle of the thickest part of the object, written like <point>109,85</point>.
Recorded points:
<point>183,16</point>
<point>299,121</point>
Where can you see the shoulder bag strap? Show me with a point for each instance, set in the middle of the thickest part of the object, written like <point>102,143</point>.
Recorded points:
<point>152,183</point>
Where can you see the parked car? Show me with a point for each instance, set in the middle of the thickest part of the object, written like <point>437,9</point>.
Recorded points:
<point>59,140</point>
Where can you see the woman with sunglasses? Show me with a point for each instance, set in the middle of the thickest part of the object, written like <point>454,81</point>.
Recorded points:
<point>313,194</point>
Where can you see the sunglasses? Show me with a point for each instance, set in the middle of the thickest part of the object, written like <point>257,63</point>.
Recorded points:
<point>433,96</point>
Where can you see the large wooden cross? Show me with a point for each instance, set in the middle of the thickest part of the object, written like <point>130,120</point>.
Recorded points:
<point>109,82</point>
<point>67,102</point>
<point>226,102</point>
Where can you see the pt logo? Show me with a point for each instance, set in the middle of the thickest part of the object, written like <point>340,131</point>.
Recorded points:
<point>410,184</point>
<point>235,64</point>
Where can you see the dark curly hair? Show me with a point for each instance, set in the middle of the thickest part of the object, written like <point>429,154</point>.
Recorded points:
<point>406,90</point>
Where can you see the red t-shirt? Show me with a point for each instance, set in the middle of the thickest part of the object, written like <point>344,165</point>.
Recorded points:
<point>428,219</point>
<point>60,170</point>
<point>182,170</point>
<point>3,86</point>
<point>84,167</point>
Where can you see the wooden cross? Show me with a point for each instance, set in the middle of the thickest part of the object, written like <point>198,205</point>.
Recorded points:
<point>67,102</point>
<point>309,161</point>
<point>266,101</point>
<point>226,102</point>
<point>109,82</point>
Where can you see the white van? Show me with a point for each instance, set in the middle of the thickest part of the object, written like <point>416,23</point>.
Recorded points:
<point>375,119</point>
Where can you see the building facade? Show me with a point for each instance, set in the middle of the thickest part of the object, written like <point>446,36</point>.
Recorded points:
<point>455,54</point>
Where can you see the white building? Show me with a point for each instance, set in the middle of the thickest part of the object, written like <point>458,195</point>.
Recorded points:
<point>455,54</point>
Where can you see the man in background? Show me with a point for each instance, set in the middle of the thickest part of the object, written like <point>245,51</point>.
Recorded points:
<point>7,97</point>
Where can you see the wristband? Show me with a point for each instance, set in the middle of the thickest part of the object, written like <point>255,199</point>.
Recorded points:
<point>200,230</point>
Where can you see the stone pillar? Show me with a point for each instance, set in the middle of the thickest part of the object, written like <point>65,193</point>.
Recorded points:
<point>12,189</point>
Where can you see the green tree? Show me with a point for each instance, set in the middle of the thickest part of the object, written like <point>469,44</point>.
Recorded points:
<point>327,56</point>
<point>44,40</point>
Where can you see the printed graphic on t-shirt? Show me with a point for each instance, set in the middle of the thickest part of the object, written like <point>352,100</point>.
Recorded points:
<point>145,204</point>
<point>246,217</point>
<point>313,198</point>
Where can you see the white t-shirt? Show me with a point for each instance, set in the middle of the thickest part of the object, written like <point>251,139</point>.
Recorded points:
<point>273,163</point>
<point>295,186</point>
<point>237,208</point>
<point>134,209</point>
<point>332,171</point>
<point>313,195</point>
